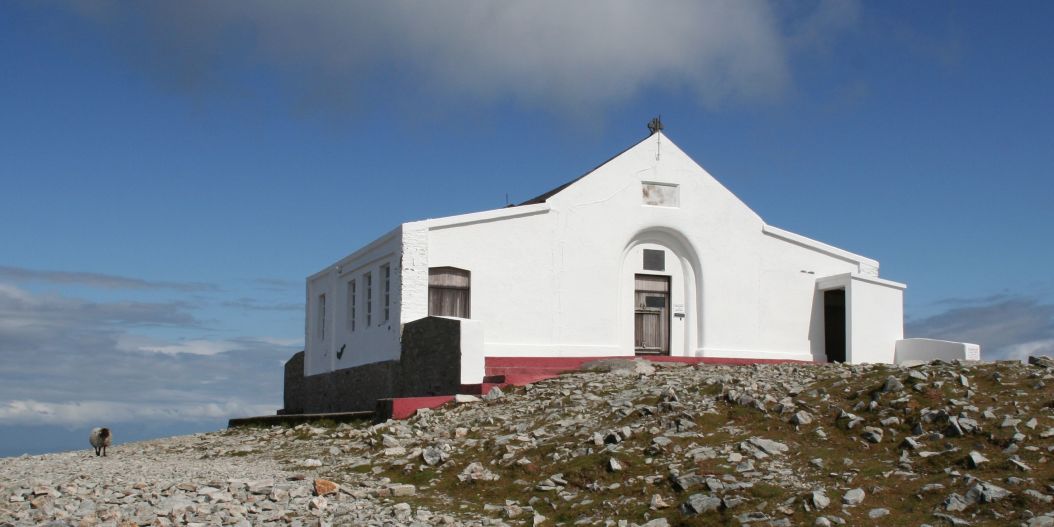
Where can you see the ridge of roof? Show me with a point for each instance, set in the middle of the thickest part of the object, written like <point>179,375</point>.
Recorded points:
<point>541,198</point>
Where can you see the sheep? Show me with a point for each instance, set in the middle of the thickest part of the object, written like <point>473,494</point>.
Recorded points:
<point>100,439</point>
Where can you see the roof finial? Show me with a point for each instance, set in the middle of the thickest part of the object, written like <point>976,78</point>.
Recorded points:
<point>655,125</point>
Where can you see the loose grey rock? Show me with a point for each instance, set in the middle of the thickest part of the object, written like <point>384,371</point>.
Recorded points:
<point>955,503</point>
<point>494,394</point>
<point>658,522</point>
<point>986,493</point>
<point>801,418</point>
<point>955,522</point>
<point>975,459</point>
<point>820,500</point>
<point>892,384</point>
<point>700,503</point>
<point>873,434</point>
<point>768,446</point>
<point>1042,361</point>
<point>853,497</point>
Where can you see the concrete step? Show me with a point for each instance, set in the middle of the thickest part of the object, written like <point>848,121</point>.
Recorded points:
<point>404,407</point>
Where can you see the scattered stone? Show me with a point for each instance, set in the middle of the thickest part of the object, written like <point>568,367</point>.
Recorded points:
<point>801,418</point>
<point>768,446</point>
<point>653,421</point>
<point>955,503</point>
<point>658,522</point>
<point>955,522</point>
<point>475,471</point>
<point>986,493</point>
<point>1039,496</point>
<point>892,384</point>
<point>974,459</point>
<point>433,456</point>
<point>494,394</point>
<point>853,497</point>
<point>872,434</point>
<point>874,514</point>
<point>1016,463</point>
<point>1042,361</point>
<point>658,503</point>
<point>820,501</point>
<point>325,487</point>
<point>700,503</point>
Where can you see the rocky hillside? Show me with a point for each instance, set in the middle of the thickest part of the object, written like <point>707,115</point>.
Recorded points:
<point>632,444</point>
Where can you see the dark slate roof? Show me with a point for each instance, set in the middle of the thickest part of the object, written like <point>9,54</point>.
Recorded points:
<point>543,197</point>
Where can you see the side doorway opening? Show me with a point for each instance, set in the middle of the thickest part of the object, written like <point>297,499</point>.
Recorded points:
<point>651,315</point>
<point>834,324</point>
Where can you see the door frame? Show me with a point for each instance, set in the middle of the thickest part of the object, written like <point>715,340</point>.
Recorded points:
<point>665,321</point>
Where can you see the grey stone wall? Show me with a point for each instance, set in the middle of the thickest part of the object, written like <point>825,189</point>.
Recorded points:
<point>294,385</point>
<point>430,364</point>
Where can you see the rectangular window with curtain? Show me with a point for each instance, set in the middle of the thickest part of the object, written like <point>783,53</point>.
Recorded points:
<point>449,292</point>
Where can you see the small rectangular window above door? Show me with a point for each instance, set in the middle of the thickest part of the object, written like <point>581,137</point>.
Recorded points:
<point>449,292</point>
<point>654,260</point>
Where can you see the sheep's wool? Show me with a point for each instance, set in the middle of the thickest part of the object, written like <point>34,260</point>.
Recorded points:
<point>98,440</point>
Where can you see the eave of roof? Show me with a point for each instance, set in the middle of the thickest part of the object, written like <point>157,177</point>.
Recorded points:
<point>542,198</point>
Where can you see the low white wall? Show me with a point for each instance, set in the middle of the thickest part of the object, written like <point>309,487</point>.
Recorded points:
<point>876,318</point>
<point>932,349</point>
<point>472,352</point>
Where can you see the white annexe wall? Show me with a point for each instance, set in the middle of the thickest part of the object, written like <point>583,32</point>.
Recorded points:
<point>647,253</point>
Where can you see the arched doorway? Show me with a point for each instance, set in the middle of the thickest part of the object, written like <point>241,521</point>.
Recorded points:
<point>660,288</point>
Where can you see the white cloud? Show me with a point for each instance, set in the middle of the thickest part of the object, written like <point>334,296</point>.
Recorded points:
<point>139,343</point>
<point>105,281</point>
<point>547,53</point>
<point>104,413</point>
<point>1023,350</point>
<point>1006,326</point>
<point>192,346</point>
<point>70,361</point>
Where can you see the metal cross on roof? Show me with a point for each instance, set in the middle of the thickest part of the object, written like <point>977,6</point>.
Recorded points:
<point>655,125</point>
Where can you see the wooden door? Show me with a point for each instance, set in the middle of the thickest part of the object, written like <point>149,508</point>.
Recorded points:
<point>651,331</point>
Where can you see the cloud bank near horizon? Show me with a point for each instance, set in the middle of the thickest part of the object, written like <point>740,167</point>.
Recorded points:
<point>1007,327</point>
<point>566,56</point>
<point>72,362</point>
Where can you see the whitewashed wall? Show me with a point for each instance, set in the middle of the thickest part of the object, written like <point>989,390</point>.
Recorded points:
<point>373,342</point>
<point>556,278</point>
<point>559,281</point>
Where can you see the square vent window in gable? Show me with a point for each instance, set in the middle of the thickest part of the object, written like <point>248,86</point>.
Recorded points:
<point>654,260</point>
<point>661,194</point>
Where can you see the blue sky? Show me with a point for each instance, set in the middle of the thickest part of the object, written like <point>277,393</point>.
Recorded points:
<point>170,172</point>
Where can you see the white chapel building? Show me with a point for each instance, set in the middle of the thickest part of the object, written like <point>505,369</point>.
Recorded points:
<point>646,254</point>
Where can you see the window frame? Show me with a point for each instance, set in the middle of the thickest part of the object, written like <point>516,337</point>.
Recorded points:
<point>367,278</point>
<point>352,294</point>
<point>435,290</point>
<point>386,270</point>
